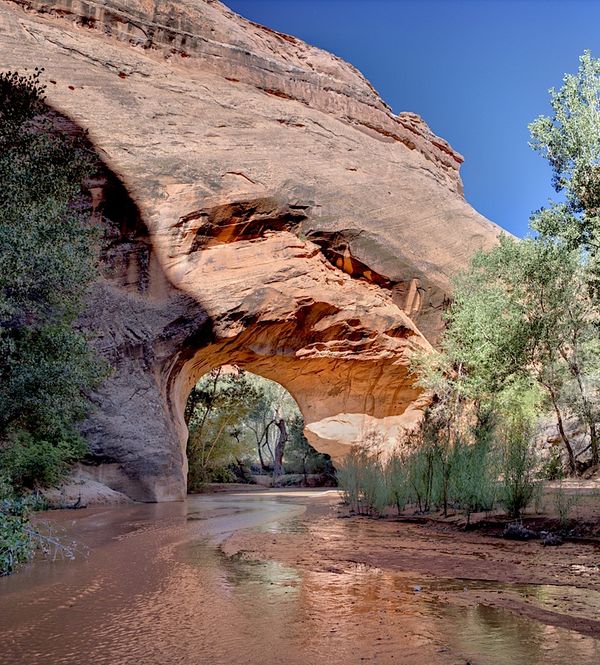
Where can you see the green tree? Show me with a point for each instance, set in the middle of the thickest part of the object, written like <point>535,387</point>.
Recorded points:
<point>217,405</point>
<point>570,141</point>
<point>522,316</point>
<point>236,416</point>
<point>300,455</point>
<point>48,259</point>
<point>268,421</point>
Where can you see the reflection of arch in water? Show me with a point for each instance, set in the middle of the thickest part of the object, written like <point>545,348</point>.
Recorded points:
<point>228,284</point>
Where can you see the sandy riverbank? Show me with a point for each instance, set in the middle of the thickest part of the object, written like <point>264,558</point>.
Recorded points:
<point>327,539</point>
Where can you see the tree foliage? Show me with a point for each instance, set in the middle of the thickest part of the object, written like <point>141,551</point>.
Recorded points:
<point>217,405</point>
<point>525,315</point>
<point>523,318</point>
<point>48,258</point>
<point>570,141</point>
<point>235,417</point>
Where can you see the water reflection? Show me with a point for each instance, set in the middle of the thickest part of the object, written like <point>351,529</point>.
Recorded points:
<point>156,590</point>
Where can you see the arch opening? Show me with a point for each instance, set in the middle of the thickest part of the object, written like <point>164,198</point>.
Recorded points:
<point>244,428</point>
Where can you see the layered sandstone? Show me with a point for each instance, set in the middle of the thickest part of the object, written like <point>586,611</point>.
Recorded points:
<point>263,206</point>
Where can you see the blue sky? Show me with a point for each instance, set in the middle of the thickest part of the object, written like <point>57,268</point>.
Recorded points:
<point>478,71</point>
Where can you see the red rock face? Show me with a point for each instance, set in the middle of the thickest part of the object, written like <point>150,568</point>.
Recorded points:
<point>266,208</point>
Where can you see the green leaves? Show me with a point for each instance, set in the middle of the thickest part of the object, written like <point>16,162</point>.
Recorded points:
<point>515,318</point>
<point>570,141</point>
<point>48,259</point>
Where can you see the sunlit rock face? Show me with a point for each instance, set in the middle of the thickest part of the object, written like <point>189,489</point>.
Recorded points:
<point>265,207</point>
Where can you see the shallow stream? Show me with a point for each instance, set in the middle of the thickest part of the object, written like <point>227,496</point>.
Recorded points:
<point>155,589</point>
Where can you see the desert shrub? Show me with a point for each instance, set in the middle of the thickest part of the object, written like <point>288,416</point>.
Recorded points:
<point>421,465</point>
<point>28,462</point>
<point>397,481</point>
<point>518,468</point>
<point>348,478</point>
<point>538,496</point>
<point>552,469</point>
<point>375,495</point>
<point>564,504</point>
<point>474,477</point>
<point>17,535</point>
<point>362,481</point>
<point>222,474</point>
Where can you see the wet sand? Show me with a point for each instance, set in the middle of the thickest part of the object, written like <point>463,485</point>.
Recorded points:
<point>478,568</point>
<point>268,577</point>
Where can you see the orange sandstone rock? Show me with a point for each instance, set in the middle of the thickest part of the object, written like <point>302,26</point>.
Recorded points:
<point>265,208</point>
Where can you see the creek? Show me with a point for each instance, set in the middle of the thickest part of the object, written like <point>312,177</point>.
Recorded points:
<point>151,586</point>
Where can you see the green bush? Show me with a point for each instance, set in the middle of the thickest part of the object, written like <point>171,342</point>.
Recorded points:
<point>469,475</point>
<point>17,536</point>
<point>374,490</point>
<point>362,481</point>
<point>20,539</point>
<point>421,473</point>
<point>348,479</point>
<point>518,469</point>
<point>29,462</point>
<point>397,482</point>
<point>428,476</point>
<point>564,504</point>
<point>473,482</point>
<point>48,260</point>
<point>552,469</point>
<point>17,542</point>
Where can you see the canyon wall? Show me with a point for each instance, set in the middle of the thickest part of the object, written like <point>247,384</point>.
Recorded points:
<point>263,206</point>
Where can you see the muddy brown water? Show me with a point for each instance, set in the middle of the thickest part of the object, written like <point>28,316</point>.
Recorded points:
<point>154,588</point>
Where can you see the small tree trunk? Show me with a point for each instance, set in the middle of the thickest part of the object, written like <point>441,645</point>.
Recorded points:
<point>562,432</point>
<point>263,466</point>
<point>260,444</point>
<point>587,410</point>
<point>594,443</point>
<point>282,438</point>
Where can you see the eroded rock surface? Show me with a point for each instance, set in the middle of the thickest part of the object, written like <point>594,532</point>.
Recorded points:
<point>265,208</point>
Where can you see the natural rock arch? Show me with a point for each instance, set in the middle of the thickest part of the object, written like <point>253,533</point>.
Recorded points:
<point>338,344</point>
<point>321,263</point>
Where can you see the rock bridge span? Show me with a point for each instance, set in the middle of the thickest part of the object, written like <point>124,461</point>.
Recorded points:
<point>263,206</point>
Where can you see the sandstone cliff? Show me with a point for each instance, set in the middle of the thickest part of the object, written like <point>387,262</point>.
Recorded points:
<point>263,206</point>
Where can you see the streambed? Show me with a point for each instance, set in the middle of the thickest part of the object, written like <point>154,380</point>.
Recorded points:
<point>176,583</point>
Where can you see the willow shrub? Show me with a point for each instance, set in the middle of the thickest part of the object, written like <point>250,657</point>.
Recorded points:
<point>429,477</point>
<point>518,464</point>
<point>473,477</point>
<point>362,480</point>
<point>563,505</point>
<point>399,489</point>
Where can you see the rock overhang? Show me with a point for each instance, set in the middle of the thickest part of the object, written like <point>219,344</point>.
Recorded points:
<point>288,221</point>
